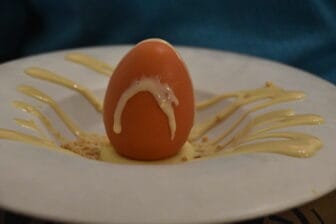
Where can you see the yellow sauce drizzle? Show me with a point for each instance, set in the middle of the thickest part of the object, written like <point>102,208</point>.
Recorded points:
<point>38,95</point>
<point>91,63</point>
<point>256,136</point>
<point>44,120</point>
<point>61,80</point>
<point>16,136</point>
<point>256,121</point>
<point>292,143</point>
<point>29,139</point>
<point>295,144</point>
<point>29,124</point>
<point>270,91</point>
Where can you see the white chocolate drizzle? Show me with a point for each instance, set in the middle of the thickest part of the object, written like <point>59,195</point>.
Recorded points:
<point>162,93</point>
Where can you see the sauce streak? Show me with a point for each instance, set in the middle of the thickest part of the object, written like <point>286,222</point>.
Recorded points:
<point>258,135</point>
<point>287,143</point>
<point>29,124</point>
<point>295,144</point>
<point>44,120</point>
<point>44,98</point>
<point>30,139</point>
<point>16,136</point>
<point>162,93</point>
<point>49,76</point>
<point>91,63</point>
<point>270,91</point>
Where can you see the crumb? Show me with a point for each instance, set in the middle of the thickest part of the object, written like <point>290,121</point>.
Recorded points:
<point>184,159</point>
<point>87,146</point>
<point>205,139</point>
<point>268,84</point>
<point>218,148</point>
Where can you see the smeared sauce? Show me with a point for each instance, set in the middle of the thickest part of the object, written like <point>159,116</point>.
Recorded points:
<point>259,134</point>
<point>108,154</point>
<point>162,93</point>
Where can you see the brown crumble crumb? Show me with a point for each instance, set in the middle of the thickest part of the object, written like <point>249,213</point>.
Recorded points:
<point>88,146</point>
<point>247,95</point>
<point>205,139</point>
<point>268,84</point>
<point>184,159</point>
<point>197,157</point>
<point>218,148</point>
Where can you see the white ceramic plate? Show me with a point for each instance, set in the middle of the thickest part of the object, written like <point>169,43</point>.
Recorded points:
<point>47,184</point>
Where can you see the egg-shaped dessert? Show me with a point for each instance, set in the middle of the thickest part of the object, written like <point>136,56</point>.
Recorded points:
<point>149,102</point>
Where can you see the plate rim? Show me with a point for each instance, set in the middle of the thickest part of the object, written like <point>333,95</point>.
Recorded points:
<point>184,47</point>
